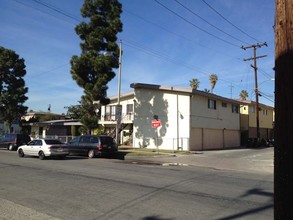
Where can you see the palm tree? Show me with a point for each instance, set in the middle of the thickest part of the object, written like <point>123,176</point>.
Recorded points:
<point>213,80</point>
<point>194,83</point>
<point>243,95</point>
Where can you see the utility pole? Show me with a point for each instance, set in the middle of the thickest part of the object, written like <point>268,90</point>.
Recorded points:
<point>254,58</point>
<point>119,106</point>
<point>283,150</point>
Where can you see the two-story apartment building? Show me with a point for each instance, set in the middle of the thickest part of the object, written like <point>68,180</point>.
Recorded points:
<point>248,121</point>
<point>189,119</point>
<point>109,117</point>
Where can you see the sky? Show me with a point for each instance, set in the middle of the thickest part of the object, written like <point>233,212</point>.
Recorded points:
<point>164,42</point>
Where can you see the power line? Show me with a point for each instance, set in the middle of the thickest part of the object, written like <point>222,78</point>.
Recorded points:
<point>229,21</point>
<point>188,9</point>
<point>42,11</point>
<point>54,8</point>
<point>178,35</point>
<point>199,28</point>
<point>166,57</point>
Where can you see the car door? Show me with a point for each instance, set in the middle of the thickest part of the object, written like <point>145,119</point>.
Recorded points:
<point>84,145</point>
<point>73,146</point>
<point>28,148</point>
<point>36,147</point>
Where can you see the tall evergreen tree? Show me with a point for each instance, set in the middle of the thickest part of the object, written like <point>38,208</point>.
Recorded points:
<point>12,86</point>
<point>92,70</point>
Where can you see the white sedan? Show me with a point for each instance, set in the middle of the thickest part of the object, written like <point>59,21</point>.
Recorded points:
<point>43,148</point>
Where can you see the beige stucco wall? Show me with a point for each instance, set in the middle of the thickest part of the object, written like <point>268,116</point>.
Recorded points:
<point>206,139</point>
<point>265,121</point>
<point>173,111</point>
<point>219,118</point>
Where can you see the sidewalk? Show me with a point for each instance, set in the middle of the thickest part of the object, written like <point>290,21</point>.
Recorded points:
<point>244,160</point>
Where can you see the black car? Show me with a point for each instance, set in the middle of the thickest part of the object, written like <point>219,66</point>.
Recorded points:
<point>92,145</point>
<point>13,141</point>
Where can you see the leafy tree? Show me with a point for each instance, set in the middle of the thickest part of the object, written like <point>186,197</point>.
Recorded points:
<point>213,80</point>
<point>194,83</point>
<point>243,95</point>
<point>206,90</point>
<point>12,86</point>
<point>92,70</point>
<point>74,111</point>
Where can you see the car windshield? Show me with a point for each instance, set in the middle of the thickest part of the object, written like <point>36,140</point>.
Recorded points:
<point>53,142</point>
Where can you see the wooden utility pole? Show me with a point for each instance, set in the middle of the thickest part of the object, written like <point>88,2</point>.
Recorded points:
<point>254,58</point>
<point>283,178</point>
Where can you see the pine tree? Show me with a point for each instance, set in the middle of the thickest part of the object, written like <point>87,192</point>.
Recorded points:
<point>93,70</point>
<point>12,86</point>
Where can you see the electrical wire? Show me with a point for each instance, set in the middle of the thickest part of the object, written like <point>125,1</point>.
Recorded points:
<point>179,36</point>
<point>167,58</point>
<point>192,12</point>
<point>42,11</point>
<point>194,25</point>
<point>239,29</point>
<point>60,11</point>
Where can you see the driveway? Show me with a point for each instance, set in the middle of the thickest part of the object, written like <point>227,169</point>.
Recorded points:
<point>259,160</point>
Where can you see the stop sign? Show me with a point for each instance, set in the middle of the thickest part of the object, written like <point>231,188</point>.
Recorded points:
<point>156,123</point>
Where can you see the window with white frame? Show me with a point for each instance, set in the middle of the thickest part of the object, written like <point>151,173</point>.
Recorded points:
<point>265,112</point>
<point>110,113</point>
<point>212,104</point>
<point>129,109</point>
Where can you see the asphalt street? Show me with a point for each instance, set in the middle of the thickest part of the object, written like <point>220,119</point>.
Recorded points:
<point>203,185</point>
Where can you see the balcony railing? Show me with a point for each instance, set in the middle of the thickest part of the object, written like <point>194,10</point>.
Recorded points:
<point>113,118</point>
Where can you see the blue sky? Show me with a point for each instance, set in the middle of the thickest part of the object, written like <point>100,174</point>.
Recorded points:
<point>166,42</point>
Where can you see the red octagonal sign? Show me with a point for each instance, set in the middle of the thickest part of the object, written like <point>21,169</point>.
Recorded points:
<point>156,123</point>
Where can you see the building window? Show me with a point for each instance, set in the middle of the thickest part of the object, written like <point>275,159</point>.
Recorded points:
<point>251,109</point>
<point>212,104</point>
<point>129,109</point>
<point>110,113</point>
<point>235,109</point>
<point>265,112</point>
<point>224,104</point>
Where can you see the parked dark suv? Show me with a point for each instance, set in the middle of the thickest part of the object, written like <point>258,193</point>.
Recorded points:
<point>91,145</point>
<point>13,141</point>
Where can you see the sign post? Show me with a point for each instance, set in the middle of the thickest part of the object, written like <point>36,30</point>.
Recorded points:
<point>156,123</point>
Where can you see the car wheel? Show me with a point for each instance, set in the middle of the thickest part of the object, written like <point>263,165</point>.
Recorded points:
<point>41,155</point>
<point>20,153</point>
<point>91,153</point>
<point>10,147</point>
